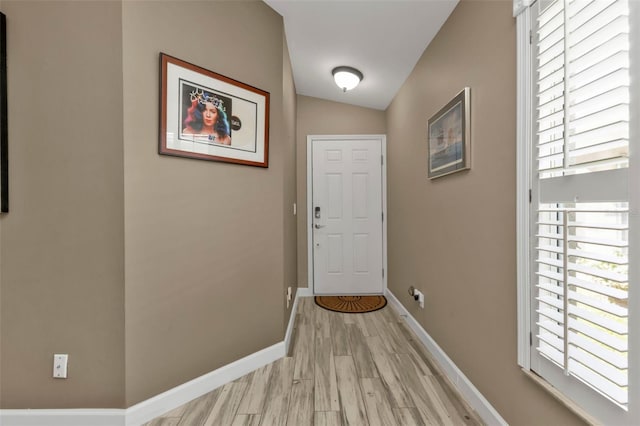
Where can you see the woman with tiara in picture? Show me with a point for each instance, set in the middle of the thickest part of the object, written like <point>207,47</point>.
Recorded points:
<point>207,119</point>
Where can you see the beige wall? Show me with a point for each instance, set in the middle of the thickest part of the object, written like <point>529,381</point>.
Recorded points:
<point>289,180</point>
<point>98,217</point>
<point>62,241</point>
<point>454,238</point>
<point>200,247</point>
<point>204,241</point>
<point>321,117</point>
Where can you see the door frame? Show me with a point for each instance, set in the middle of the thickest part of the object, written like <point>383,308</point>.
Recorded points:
<point>383,148</point>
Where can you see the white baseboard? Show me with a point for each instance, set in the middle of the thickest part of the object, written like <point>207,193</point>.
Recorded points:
<point>72,417</point>
<point>292,319</point>
<point>173,398</point>
<point>151,408</point>
<point>475,399</point>
<point>300,292</point>
<point>304,292</point>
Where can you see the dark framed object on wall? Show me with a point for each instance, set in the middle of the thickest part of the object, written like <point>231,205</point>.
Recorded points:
<point>4,134</point>
<point>449,139</point>
<point>208,116</point>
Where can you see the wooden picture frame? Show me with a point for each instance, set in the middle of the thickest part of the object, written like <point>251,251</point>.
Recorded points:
<point>207,116</point>
<point>449,137</point>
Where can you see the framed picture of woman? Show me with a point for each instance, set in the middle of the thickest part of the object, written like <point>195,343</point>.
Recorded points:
<point>207,116</point>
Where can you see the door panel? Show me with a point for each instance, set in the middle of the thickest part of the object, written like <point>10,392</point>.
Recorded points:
<point>347,224</point>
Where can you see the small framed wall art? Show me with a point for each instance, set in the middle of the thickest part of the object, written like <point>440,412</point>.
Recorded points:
<point>449,137</point>
<point>208,116</point>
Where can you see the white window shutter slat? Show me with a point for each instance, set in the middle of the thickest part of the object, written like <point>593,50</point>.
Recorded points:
<point>580,271</point>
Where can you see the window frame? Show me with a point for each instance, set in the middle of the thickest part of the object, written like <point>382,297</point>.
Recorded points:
<point>527,190</point>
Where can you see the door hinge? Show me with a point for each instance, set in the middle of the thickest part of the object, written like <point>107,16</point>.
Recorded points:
<point>530,339</point>
<point>383,216</point>
<point>530,196</point>
<point>382,160</point>
<point>530,37</point>
<point>382,272</point>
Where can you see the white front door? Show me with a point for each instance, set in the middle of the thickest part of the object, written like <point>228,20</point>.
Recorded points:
<point>346,214</point>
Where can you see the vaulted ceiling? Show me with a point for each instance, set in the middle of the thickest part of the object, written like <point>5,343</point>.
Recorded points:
<point>382,38</point>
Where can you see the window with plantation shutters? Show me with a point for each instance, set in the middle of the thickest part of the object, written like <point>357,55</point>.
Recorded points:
<point>579,212</point>
<point>582,87</point>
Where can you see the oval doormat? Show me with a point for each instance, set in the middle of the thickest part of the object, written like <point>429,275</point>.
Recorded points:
<point>351,304</point>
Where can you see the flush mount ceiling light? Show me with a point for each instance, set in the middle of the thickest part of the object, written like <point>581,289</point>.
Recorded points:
<point>346,78</point>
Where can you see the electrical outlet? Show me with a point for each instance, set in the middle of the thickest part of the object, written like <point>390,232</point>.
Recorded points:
<point>288,296</point>
<point>60,366</point>
<point>418,296</point>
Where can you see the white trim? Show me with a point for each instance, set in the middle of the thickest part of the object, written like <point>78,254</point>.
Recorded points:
<point>70,417</point>
<point>634,212</point>
<point>173,398</point>
<point>288,335</point>
<point>304,292</point>
<point>384,210</point>
<point>475,399</point>
<point>520,6</point>
<point>383,148</point>
<point>152,407</point>
<point>523,184</point>
<point>309,213</point>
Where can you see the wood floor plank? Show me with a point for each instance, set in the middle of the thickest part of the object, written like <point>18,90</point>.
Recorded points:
<point>360,352</point>
<point>376,403</point>
<point>224,411</point>
<point>449,416</point>
<point>176,412</point>
<point>366,324</point>
<point>326,385</point>
<point>429,409</point>
<point>256,392</point>
<point>389,372</point>
<point>295,333</point>
<point>197,411</point>
<point>164,421</point>
<point>340,340</point>
<point>245,379</point>
<point>323,328</point>
<point>419,362</point>
<point>351,401</point>
<point>304,353</point>
<point>454,401</point>
<point>324,380</point>
<point>408,417</point>
<point>301,404</point>
<point>349,318</point>
<point>448,395</point>
<point>419,349</point>
<point>397,338</point>
<point>246,420</point>
<point>308,309</point>
<point>277,405</point>
<point>390,333</point>
<point>390,314</point>
<point>327,418</point>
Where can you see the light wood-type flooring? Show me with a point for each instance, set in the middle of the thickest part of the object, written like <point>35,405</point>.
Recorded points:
<point>342,369</point>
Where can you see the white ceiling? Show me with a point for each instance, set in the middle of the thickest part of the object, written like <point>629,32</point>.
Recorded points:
<point>382,38</point>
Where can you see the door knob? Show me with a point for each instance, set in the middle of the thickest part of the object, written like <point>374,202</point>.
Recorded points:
<point>318,226</point>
